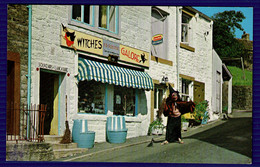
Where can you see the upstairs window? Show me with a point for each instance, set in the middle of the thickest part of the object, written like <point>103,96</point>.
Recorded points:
<point>101,18</point>
<point>185,28</point>
<point>83,13</point>
<point>107,18</point>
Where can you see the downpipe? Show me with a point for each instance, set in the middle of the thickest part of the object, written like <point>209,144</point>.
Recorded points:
<point>29,69</point>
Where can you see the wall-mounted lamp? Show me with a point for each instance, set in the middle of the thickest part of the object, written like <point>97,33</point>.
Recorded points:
<point>112,58</point>
<point>164,80</point>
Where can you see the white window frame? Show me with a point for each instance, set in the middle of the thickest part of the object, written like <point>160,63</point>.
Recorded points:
<point>94,21</point>
<point>187,38</point>
<point>186,89</point>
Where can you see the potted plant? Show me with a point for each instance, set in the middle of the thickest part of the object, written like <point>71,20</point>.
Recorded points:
<point>184,123</point>
<point>200,113</point>
<point>156,127</point>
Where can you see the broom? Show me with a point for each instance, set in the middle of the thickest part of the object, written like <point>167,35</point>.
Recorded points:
<point>67,134</point>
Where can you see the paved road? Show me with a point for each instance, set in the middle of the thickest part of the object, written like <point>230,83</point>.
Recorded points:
<point>226,142</point>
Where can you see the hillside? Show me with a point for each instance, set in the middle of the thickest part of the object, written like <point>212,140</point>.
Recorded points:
<point>238,76</point>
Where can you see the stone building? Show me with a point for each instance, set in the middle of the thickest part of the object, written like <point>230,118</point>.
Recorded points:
<point>17,63</point>
<point>90,62</point>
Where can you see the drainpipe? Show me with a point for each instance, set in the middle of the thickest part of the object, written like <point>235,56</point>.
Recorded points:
<point>177,46</point>
<point>29,66</point>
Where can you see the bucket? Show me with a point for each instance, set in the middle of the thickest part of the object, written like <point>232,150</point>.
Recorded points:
<point>81,135</point>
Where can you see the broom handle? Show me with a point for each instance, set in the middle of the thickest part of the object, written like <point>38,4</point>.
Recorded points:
<point>66,109</point>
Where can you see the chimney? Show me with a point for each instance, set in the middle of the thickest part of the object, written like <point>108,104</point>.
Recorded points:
<point>245,36</point>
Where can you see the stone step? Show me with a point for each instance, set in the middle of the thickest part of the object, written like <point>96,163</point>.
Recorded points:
<point>52,138</point>
<point>58,146</point>
<point>61,153</point>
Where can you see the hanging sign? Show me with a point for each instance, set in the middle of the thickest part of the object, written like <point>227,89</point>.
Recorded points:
<point>157,39</point>
<point>110,48</point>
<point>80,41</point>
<point>134,56</point>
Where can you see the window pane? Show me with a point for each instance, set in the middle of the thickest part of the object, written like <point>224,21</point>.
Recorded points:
<point>76,12</point>
<point>184,34</point>
<point>87,14</point>
<point>91,97</point>
<point>124,101</point>
<point>112,19</point>
<point>102,21</point>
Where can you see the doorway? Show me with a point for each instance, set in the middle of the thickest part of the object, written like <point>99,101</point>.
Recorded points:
<point>49,94</point>
<point>13,93</point>
<point>199,91</point>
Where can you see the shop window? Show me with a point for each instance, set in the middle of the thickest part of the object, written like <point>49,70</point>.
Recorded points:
<point>91,97</point>
<point>185,89</point>
<point>124,101</point>
<point>101,18</point>
<point>185,28</point>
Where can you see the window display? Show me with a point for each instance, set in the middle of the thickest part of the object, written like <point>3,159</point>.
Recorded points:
<point>124,101</point>
<point>91,97</point>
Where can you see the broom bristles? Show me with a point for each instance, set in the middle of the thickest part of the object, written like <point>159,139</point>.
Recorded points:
<point>67,135</point>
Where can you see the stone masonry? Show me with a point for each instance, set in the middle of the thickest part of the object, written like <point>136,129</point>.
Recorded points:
<point>17,41</point>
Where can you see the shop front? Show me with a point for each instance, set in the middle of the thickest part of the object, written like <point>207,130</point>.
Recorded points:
<point>111,80</point>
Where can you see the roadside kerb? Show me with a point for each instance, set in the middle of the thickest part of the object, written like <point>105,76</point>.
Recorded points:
<point>111,149</point>
<point>217,122</point>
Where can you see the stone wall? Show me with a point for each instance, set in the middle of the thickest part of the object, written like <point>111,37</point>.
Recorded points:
<point>242,97</point>
<point>17,41</point>
<point>29,152</point>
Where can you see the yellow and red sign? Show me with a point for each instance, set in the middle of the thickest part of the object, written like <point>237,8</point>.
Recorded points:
<point>157,39</point>
<point>82,41</point>
<point>134,56</point>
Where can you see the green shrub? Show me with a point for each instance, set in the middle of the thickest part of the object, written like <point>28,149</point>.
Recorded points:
<point>200,109</point>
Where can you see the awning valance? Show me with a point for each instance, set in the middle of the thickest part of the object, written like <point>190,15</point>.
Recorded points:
<point>106,73</point>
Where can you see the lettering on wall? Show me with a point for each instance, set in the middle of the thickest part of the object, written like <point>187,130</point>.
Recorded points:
<point>53,67</point>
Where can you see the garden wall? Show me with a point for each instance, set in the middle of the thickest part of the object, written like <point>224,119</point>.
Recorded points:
<point>242,97</point>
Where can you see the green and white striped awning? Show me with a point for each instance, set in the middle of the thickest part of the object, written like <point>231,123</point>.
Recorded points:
<point>106,73</point>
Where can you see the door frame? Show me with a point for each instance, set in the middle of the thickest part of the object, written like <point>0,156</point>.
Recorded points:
<point>60,74</point>
<point>15,57</point>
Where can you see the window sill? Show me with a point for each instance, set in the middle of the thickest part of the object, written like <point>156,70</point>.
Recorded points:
<point>187,47</point>
<point>160,60</point>
<point>94,29</point>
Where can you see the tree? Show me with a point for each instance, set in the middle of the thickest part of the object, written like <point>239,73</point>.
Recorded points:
<point>224,41</point>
